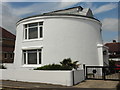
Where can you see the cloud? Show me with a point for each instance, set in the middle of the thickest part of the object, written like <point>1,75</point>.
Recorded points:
<point>110,24</point>
<point>10,15</point>
<point>38,8</point>
<point>105,8</point>
<point>8,20</point>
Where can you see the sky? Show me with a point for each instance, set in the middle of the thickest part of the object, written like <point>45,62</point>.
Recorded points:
<point>106,12</point>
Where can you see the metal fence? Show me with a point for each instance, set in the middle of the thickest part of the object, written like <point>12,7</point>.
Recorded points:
<point>102,73</point>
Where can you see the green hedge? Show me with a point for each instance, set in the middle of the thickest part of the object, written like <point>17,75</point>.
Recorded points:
<point>53,67</point>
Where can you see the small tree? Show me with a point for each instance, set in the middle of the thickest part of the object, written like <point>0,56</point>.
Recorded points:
<point>68,62</point>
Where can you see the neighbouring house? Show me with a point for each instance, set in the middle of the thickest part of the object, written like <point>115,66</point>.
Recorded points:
<point>7,44</point>
<point>114,50</point>
<point>50,37</point>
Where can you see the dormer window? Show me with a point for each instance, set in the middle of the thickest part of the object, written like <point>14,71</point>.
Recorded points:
<point>33,30</point>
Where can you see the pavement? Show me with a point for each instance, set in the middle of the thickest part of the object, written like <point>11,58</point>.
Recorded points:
<point>86,85</point>
<point>98,84</point>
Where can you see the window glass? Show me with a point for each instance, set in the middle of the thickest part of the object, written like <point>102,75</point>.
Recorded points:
<point>11,55</point>
<point>25,33</point>
<point>24,58</point>
<point>32,24</point>
<point>40,23</point>
<point>31,30</point>
<point>39,57</point>
<point>33,33</point>
<point>31,56</point>
<point>5,55</point>
<point>41,32</point>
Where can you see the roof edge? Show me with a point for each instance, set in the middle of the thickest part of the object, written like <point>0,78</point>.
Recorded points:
<point>47,14</point>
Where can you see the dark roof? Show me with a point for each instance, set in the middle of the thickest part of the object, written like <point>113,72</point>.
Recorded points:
<point>113,47</point>
<point>6,34</point>
<point>66,9</point>
<point>56,14</point>
<point>7,49</point>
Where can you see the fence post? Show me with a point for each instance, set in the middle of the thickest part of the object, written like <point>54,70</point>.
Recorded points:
<point>84,71</point>
<point>103,73</point>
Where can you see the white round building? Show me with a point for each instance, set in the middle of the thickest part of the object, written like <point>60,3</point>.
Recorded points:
<point>51,37</point>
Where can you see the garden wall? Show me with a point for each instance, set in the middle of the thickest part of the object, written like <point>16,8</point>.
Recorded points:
<point>53,77</point>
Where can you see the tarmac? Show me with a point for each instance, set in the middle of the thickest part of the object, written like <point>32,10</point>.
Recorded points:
<point>85,85</point>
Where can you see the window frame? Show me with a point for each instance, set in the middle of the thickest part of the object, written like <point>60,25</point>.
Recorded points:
<point>38,57</point>
<point>26,31</point>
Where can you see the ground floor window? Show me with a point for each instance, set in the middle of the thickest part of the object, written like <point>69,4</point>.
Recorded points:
<point>8,55</point>
<point>32,56</point>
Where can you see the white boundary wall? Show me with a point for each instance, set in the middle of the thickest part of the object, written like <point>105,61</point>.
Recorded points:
<point>52,77</point>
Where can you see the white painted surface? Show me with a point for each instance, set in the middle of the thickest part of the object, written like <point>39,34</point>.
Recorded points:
<point>8,65</point>
<point>52,77</point>
<point>78,76</point>
<point>64,37</point>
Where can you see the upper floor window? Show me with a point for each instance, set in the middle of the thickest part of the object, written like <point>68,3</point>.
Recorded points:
<point>33,30</point>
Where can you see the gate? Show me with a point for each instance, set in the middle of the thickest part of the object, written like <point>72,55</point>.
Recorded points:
<point>102,73</point>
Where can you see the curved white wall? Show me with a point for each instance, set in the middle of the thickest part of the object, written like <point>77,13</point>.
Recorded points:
<point>64,37</point>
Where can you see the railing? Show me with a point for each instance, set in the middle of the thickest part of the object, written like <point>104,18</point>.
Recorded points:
<point>102,72</point>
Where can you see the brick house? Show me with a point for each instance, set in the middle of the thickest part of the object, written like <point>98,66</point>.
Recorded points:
<point>114,50</point>
<point>7,43</point>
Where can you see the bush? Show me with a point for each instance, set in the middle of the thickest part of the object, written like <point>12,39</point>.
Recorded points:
<point>66,64</point>
<point>53,67</point>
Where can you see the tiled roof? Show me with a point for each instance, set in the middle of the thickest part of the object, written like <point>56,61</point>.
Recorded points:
<point>6,34</point>
<point>113,47</point>
<point>7,49</point>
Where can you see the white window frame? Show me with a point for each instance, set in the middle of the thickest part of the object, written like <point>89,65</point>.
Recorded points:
<point>38,35</point>
<point>38,63</point>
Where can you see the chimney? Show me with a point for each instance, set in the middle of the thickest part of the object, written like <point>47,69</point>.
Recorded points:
<point>114,41</point>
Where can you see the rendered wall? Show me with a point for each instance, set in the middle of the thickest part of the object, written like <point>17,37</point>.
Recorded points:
<point>52,77</point>
<point>71,38</point>
<point>64,37</point>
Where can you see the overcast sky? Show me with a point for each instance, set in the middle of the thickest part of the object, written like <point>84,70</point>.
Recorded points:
<point>106,12</point>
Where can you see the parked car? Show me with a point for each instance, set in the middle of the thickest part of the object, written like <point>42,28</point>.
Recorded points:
<point>118,67</point>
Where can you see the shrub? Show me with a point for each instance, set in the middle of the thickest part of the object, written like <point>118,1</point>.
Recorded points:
<point>53,67</point>
<point>68,63</point>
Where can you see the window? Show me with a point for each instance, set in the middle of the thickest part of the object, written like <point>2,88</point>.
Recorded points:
<point>32,56</point>
<point>11,55</point>
<point>33,30</point>
<point>5,55</point>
